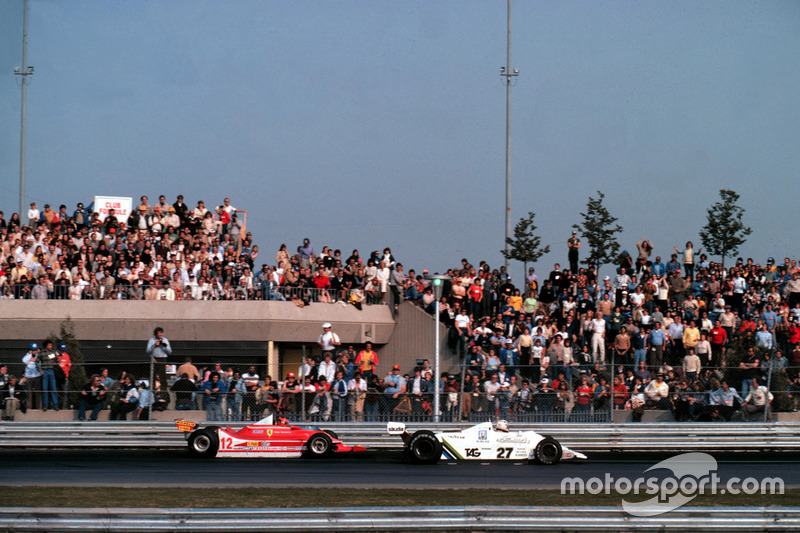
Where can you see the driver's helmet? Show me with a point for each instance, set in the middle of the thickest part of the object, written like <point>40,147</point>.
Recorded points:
<point>502,425</point>
<point>283,421</point>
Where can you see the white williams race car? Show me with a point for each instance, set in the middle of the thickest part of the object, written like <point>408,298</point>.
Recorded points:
<point>481,443</point>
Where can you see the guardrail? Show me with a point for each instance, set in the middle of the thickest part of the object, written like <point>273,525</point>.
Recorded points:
<point>399,519</point>
<point>645,437</point>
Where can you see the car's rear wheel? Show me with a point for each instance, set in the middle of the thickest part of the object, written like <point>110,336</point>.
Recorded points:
<point>204,443</point>
<point>331,433</point>
<point>319,445</point>
<point>424,448</point>
<point>548,451</point>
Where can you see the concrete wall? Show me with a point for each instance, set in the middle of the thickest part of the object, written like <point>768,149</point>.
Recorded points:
<point>196,321</point>
<point>415,338</point>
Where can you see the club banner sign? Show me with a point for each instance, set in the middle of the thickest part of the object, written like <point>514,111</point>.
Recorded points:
<point>121,205</point>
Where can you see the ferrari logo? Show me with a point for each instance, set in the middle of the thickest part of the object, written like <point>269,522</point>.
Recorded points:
<point>269,433</point>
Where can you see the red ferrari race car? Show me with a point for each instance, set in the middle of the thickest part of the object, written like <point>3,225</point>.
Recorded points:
<point>263,439</point>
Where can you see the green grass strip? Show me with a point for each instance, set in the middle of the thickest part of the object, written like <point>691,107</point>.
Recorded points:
<point>259,497</point>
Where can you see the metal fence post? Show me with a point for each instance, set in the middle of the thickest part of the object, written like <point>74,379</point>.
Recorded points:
<point>303,386</point>
<point>767,405</point>
<point>611,384</point>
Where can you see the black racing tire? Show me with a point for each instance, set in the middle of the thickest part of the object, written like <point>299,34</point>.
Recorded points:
<point>424,448</point>
<point>204,443</point>
<point>331,433</point>
<point>319,445</point>
<point>548,451</point>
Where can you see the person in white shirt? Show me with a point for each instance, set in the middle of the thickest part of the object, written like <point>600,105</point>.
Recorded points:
<point>598,327</point>
<point>327,368</point>
<point>756,401</point>
<point>357,388</point>
<point>33,216</point>
<point>329,340</point>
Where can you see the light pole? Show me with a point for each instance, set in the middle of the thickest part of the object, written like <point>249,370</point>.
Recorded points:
<point>507,73</point>
<point>437,282</point>
<point>23,72</point>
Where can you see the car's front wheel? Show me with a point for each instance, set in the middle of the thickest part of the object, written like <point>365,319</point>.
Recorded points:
<point>319,445</point>
<point>548,451</point>
<point>204,443</point>
<point>424,448</point>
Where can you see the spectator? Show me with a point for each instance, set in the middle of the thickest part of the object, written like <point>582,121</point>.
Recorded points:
<point>93,394</point>
<point>250,378</point>
<point>289,395</point>
<point>48,359</point>
<point>724,401</point>
<point>328,341</point>
<point>757,401</point>
<point>368,360</point>
<point>236,392</point>
<point>395,388</point>
<point>13,397</point>
<point>33,374</point>
<point>691,365</point>
<point>158,348</point>
<point>128,399</point>
<point>339,392</point>
<point>620,391</point>
<point>357,394</point>
<point>657,392</point>
<point>190,370</point>
<point>266,398</point>
<point>184,390</point>
<point>145,401</point>
<point>215,390</point>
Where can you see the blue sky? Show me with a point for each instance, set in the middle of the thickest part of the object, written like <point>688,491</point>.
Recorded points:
<point>364,124</point>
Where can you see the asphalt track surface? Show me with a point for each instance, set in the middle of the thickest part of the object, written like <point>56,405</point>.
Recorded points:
<point>364,470</point>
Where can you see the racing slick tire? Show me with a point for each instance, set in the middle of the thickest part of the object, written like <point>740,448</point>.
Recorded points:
<point>319,445</point>
<point>331,433</point>
<point>204,443</point>
<point>424,448</point>
<point>548,451</point>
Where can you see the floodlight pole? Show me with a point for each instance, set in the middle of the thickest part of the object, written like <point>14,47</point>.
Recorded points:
<point>23,72</point>
<point>507,73</point>
<point>437,282</point>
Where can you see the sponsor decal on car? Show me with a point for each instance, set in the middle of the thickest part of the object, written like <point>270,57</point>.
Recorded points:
<point>514,439</point>
<point>394,428</point>
<point>185,425</point>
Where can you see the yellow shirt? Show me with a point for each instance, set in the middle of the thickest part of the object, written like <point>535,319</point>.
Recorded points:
<point>691,336</point>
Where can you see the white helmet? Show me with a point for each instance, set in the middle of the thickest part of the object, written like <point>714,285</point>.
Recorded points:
<point>502,425</point>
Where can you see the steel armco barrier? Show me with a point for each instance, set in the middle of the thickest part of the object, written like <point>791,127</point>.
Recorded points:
<point>377,519</point>
<point>644,437</point>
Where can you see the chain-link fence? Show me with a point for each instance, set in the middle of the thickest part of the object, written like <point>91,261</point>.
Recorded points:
<point>298,382</point>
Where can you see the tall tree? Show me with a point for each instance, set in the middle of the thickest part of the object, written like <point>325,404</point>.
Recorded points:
<point>599,230</point>
<point>525,245</point>
<point>77,374</point>
<point>724,231</point>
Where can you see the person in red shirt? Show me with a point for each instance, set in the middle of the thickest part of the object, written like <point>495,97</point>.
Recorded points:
<point>367,360</point>
<point>748,326</point>
<point>583,396</point>
<point>794,332</point>
<point>65,363</point>
<point>475,295</point>
<point>621,393</point>
<point>717,337</point>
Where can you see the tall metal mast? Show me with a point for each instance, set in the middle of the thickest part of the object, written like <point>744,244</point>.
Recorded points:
<point>23,72</point>
<point>507,73</point>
